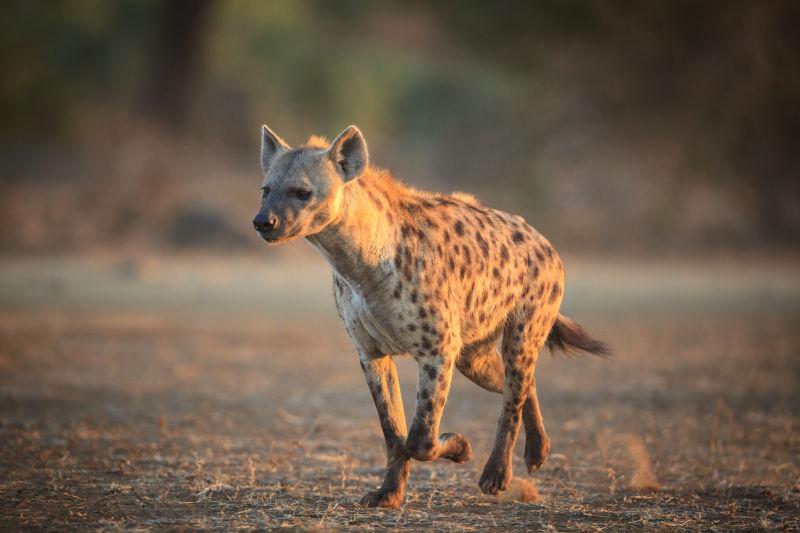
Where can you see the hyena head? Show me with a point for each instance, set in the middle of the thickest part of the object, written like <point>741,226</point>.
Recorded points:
<point>302,188</point>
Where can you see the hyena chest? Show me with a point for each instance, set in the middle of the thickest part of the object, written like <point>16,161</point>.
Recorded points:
<point>373,318</point>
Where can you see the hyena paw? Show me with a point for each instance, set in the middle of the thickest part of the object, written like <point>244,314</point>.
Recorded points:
<point>383,498</point>
<point>496,476</point>
<point>536,449</point>
<point>460,446</point>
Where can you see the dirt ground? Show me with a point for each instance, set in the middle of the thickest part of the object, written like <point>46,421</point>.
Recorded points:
<point>243,405</point>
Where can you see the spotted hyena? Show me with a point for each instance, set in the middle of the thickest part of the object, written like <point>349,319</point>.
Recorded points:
<point>438,276</point>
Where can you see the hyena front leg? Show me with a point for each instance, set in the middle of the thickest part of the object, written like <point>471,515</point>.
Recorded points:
<point>381,375</point>
<point>423,443</point>
<point>483,365</point>
<point>519,352</point>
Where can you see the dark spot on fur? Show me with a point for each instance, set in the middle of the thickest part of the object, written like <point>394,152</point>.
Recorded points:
<point>426,343</point>
<point>431,371</point>
<point>412,327</point>
<point>446,236</point>
<point>518,237</point>
<point>422,312</point>
<point>503,253</point>
<point>555,292</point>
<point>459,227</point>
<point>411,207</point>
<point>414,296</point>
<point>405,229</point>
<point>495,272</point>
<point>484,246</point>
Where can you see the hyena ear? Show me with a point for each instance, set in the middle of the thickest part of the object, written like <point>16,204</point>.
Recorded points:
<point>271,145</point>
<point>349,152</point>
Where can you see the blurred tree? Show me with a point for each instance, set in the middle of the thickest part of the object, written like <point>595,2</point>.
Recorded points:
<point>175,60</point>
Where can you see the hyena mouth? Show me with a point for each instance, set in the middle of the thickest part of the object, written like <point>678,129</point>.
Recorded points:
<point>268,238</point>
<point>275,239</point>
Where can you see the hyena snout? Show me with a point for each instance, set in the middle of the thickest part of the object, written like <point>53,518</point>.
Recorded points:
<point>265,224</point>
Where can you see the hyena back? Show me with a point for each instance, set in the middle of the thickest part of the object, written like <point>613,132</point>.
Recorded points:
<point>440,277</point>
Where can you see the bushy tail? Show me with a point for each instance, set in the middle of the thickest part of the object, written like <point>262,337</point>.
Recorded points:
<point>568,336</point>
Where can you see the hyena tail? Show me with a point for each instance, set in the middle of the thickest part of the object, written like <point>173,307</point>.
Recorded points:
<point>568,336</point>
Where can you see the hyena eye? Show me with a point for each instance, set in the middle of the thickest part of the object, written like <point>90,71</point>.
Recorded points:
<point>303,194</point>
<point>264,193</point>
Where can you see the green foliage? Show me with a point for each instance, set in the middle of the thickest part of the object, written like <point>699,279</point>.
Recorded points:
<point>547,97</point>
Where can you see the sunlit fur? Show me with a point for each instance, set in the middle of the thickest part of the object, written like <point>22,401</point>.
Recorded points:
<point>439,277</point>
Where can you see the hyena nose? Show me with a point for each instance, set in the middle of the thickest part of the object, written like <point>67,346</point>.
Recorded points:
<point>265,222</point>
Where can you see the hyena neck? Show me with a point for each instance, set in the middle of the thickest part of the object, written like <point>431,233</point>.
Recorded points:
<point>359,244</point>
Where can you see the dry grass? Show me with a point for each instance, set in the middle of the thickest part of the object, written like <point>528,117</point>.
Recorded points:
<point>122,421</point>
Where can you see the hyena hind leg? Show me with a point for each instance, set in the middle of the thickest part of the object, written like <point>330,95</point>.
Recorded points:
<point>483,365</point>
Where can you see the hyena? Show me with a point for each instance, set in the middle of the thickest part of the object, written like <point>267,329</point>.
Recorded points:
<point>438,276</point>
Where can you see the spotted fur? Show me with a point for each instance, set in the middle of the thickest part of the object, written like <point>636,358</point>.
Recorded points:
<point>440,277</point>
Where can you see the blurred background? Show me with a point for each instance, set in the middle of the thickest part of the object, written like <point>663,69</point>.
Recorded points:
<point>160,366</point>
<point>611,126</point>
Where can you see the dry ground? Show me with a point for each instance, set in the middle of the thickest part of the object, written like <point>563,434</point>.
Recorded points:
<point>122,415</point>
